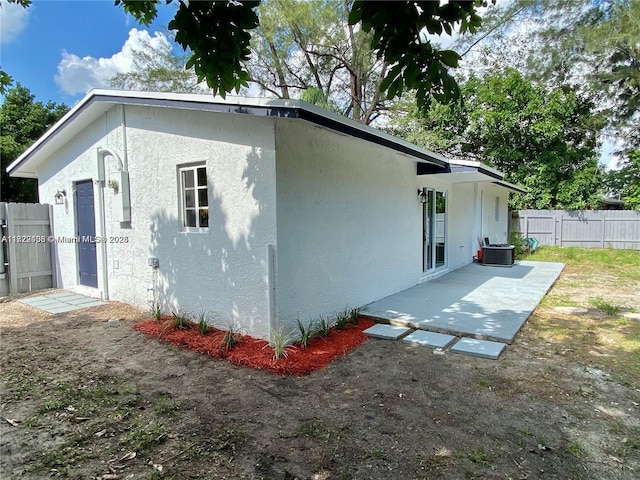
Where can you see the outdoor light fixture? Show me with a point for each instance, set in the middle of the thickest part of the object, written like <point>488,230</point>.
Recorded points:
<point>60,197</point>
<point>422,196</point>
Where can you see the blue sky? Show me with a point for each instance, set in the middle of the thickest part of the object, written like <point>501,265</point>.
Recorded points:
<point>62,49</point>
<point>58,49</point>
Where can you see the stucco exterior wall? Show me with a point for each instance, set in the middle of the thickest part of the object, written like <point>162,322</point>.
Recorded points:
<point>349,228</point>
<point>222,271</point>
<point>494,213</point>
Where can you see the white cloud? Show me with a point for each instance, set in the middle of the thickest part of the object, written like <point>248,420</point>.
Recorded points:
<point>13,20</point>
<point>79,75</point>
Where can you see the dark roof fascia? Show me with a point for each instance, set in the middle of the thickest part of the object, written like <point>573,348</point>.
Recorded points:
<point>435,164</point>
<point>425,169</point>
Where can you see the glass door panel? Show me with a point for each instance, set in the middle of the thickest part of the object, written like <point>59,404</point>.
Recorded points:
<point>434,229</point>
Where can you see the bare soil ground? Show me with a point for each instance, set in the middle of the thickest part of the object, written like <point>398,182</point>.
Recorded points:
<point>85,398</point>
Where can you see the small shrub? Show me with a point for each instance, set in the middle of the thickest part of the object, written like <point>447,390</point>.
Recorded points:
<point>323,326</point>
<point>518,242</point>
<point>342,320</point>
<point>354,316</point>
<point>306,333</point>
<point>180,320</point>
<point>231,337</point>
<point>156,311</point>
<point>203,323</point>
<point>280,342</point>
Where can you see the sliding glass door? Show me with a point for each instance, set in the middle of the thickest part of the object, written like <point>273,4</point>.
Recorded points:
<point>434,232</point>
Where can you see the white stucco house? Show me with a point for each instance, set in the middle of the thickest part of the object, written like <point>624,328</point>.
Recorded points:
<point>260,211</point>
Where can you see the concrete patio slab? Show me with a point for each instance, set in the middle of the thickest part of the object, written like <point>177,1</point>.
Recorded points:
<point>61,302</point>
<point>429,339</point>
<point>479,348</point>
<point>388,332</point>
<point>476,301</point>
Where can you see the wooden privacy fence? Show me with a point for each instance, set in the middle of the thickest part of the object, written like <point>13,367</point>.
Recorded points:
<point>25,248</point>
<point>588,228</point>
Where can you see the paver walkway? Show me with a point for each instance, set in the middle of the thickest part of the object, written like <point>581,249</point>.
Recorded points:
<point>490,303</point>
<point>61,302</point>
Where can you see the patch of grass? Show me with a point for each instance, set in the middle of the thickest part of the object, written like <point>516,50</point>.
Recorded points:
<point>606,307</point>
<point>166,407</point>
<point>142,437</point>
<point>478,456</point>
<point>378,453</point>
<point>575,449</point>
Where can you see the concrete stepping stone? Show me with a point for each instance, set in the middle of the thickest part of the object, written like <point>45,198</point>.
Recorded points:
<point>631,315</point>
<point>479,348</point>
<point>571,310</point>
<point>388,332</point>
<point>429,339</point>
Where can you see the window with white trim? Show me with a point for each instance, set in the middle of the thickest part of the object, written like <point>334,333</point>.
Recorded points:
<point>194,197</point>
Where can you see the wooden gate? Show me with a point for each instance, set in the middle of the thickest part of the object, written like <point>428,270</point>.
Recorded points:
<point>26,253</point>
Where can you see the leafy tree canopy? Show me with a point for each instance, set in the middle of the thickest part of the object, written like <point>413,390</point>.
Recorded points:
<point>218,35</point>
<point>544,140</point>
<point>23,121</point>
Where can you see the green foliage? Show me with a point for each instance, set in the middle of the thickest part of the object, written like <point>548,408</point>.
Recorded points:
<point>281,339</point>
<point>23,120</point>
<point>518,242</point>
<point>179,320</point>
<point>342,320</point>
<point>398,38</point>
<point>542,139</point>
<point>608,308</point>
<point>231,337</point>
<point>218,34</point>
<point>323,326</point>
<point>625,182</point>
<point>306,332</point>
<point>156,310</point>
<point>202,320</point>
<point>157,70</point>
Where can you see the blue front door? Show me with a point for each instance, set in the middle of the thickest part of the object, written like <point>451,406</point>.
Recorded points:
<point>85,214</point>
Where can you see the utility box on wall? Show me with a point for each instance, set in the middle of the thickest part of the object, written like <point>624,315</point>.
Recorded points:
<point>118,184</point>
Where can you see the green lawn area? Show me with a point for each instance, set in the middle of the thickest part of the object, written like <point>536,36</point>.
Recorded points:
<point>607,283</point>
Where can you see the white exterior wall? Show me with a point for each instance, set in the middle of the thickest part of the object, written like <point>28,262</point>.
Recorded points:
<point>494,213</point>
<point>349,222</point>
<point>223,271</point>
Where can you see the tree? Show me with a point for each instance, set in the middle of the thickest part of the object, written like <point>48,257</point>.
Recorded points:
<point>309,48</point>
<point>158,70</point>
<point>625,183</point>
<point>218,35</point>
<point>544,140</point>
<point>23,121</point>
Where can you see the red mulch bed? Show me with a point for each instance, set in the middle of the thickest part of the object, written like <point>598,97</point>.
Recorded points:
<point>256,353</point>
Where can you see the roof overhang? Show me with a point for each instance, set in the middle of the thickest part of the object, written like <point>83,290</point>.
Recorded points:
<point>97,102</point>
<point>469,171</point>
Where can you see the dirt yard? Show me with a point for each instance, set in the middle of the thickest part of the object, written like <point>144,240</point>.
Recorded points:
<point>86,398</point>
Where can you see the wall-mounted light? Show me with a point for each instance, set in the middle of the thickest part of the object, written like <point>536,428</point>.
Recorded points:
<point>60,197</point>
<point>422,196</point>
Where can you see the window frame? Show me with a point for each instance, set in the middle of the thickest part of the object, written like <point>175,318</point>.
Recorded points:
<point>192,167</point>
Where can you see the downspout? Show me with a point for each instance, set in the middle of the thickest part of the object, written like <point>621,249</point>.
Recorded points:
<point>101,224</point>
<point>125,158</point>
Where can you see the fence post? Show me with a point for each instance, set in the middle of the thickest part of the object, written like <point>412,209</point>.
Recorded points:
<point>602,226</point>
<point>11,251</point>
<point>526,225</point>
<point>559,213</point>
